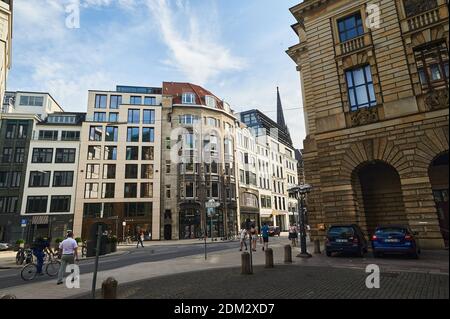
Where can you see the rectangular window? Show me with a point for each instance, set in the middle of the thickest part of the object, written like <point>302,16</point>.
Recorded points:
<point>63,179</point>
<point>147,153</point>
<point>136,100</point>
<point>39,179</point>
<point>133,134</point>
<point>91,190</point>
<point>8,205</point>
<point>100,101</point>
<point>189,190</point>
<point>168,166</point>
<point>113,117</point>
<point>92,171</point>
<point>149,117</point>
<point>131,171</point>
<point>111,153</point>
<point>65,155</point>
<point>108,190</point>
<point>134,116</point>
<point>432,66</point>
<point>188,98</point>
<point>109,171</point>
<point>7,155</point>
<point>99,117</point>
<point>416,7</point>
<point>48,135</point>
<point>147,171</point>
<point>95,133</point>
<point>132,153</point>
<point>10,131</point>
<point>148,134</point>
<point>146,190</point>
<point>360,88</point>
<point>215,189</point>
<point>94,152</point>
<point>111,134</point>
<point>350,27</point>
<point>168,193</point>
<point>36,204</point>
<point>130,190</point>
<point>32,100</point>
<point>4,176</point>
<point>70,136</point>
<point>149,100</point>
<point>19,156</point>
<point>22,131</point>
<point>60,204</point>
<point>42,155</point>
<point>116,101</point>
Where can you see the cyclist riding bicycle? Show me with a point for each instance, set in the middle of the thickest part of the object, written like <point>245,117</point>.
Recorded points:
<point>39,247</point>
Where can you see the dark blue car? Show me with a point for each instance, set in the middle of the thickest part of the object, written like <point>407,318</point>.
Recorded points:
<point>395,239</point>
<point>345,239</point>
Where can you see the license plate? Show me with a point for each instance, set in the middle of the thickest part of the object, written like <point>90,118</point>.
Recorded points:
<point>392,240</point>
<point>341,240</point>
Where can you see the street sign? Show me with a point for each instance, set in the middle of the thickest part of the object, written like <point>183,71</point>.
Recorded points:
<point>210,211</point>
<point>212,204</point>
<point>23,223</point>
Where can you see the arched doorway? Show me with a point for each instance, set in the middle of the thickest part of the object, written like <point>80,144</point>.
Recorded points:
<point>438,173</point>
<point>379,196</point>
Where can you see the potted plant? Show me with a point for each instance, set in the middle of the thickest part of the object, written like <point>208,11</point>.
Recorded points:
<point>78,240</point>
<point>113,240</point>
<point>58,241</point>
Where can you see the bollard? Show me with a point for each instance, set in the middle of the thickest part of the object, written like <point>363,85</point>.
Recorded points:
<point>317,246</point>
<point>8,297</point>
<point>109,288</point>
<point>245,267</point>
<point>287,254</point>
<point>269,258</point>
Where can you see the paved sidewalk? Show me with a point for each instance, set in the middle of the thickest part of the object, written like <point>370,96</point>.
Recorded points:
<point>432,263</point>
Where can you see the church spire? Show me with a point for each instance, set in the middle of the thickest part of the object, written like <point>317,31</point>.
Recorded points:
<point>280,115</point>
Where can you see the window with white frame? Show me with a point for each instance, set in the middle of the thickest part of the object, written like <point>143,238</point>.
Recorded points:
<point>188,98</point>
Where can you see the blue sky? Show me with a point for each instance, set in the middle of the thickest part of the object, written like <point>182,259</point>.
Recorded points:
<point>234,48</point>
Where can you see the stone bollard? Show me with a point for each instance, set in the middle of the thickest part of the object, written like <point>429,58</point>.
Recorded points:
<point>317,246</point>
<point>287,254</point>
<point>109,288</point>
<point>246,268</point>
<point>8,297</point>
<point>269,258</point>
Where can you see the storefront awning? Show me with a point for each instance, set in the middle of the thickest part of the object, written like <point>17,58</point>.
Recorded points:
<point>39,220</point>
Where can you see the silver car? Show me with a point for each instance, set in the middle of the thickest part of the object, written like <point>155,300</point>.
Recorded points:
<point>4,246</point>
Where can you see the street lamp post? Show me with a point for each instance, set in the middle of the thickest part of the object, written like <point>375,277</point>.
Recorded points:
<point>300,192</point>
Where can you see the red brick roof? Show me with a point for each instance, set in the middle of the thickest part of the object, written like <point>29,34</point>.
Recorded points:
<point>176,89</point>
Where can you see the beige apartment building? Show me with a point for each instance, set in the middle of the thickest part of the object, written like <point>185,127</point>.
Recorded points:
<point>376,110</point>
<point>119,173</point>
<point>198,158</point>
<point>6,9</point>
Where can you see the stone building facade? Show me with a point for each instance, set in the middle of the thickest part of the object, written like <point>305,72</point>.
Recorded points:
<point>376,110</point>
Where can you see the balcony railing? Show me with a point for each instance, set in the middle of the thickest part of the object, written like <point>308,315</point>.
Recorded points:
<point>353,45</point>
<point>422,20</point>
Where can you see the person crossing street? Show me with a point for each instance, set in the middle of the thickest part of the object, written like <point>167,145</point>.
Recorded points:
<point>68,250</point>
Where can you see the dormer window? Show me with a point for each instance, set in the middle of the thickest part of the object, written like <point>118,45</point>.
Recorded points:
<point>188,98</point>
<point>350,27</point>
<point>210,101</point>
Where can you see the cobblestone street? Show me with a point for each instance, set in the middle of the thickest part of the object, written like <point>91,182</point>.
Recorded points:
<point>288,282</point>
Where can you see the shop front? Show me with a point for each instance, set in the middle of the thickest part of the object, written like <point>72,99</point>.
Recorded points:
<point>190,222</point>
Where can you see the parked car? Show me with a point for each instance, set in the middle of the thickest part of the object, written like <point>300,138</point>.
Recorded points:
<point>395,239</point>
<point>5,246</point>
<point>345,239</point>
<point>274,231</point>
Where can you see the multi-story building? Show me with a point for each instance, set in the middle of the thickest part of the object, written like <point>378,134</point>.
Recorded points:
<point>6,24</point>
<point>120,163</point>
<point>50,182</point>
<point>199,163</point>
<point>16,128</point>
<point>375,89</point>
<point>277,167</point>
<point>247,161</point>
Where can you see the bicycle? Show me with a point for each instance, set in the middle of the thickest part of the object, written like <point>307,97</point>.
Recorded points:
<point>24,255</point>
<point>51,264</point>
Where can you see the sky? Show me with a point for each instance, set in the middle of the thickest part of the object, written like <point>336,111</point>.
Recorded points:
<point>234,48</point>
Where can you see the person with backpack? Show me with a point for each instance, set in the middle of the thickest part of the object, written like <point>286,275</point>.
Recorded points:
<point>265,236</point>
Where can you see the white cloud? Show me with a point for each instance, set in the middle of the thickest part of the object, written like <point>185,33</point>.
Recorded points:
<point>195,52</point>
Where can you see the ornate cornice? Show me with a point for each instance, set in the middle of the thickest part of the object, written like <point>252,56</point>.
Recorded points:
<point>364,116</point>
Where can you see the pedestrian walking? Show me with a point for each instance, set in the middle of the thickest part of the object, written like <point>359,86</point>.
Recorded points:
<point>265,236</point>
<point>254,236</point>
<point>243,237</point>
<point>293,234</point>
<point>140,239</point>
<point>68,250</point>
